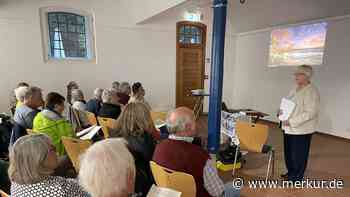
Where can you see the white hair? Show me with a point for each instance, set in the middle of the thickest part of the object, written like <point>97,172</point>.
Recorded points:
<point>106,168</point>
<point>20,93</point>
<point>77,95</point>
<point>98,93</point>
<point>107,95</point>
<point>28,158</point>
<point>179,124</point>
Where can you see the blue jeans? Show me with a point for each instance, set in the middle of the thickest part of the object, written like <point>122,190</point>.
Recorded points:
<point>230,191</point>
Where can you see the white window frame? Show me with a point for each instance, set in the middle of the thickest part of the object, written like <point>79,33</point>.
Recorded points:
<point>90,35</point>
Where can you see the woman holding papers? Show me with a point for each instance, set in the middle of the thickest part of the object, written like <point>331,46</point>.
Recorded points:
<point>300,124</point>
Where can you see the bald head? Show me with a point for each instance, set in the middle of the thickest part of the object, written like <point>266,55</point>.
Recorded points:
<point>181,122</point>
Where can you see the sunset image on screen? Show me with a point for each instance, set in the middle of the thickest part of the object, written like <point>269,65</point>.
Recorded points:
<point>298,45</point>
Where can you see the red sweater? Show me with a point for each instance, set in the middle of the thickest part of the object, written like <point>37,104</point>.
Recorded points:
<point>184,157</point>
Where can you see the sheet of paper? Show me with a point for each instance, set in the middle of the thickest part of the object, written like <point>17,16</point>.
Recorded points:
<point>91,134</point>
<point>287,107</point>
<point>156,191</point>
<point>85,131</point>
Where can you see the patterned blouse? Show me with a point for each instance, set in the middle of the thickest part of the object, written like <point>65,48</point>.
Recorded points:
<point>52,186</point>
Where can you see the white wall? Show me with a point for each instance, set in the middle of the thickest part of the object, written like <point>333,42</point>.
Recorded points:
<point>259,87</point>
<point>125,51</point>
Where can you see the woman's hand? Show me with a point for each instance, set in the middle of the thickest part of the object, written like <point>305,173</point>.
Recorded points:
<point>286,123</point>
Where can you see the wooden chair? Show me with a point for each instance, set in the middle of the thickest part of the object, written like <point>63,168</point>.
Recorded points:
<point>253,137</point>
<point>178,181</point>
<point>106,124</point>
<point>30,132</point>
<point>91,118</point>
<point>3,194</point>
<point>74,148</point>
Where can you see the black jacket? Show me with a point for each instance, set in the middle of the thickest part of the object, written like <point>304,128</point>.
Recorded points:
<point>142,148</point>
<point>109,110</point>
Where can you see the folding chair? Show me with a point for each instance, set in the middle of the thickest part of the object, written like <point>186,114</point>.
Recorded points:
<point>178,181</point>
<point>253,138</point>
<point>106,124</point>
<point>75,148</point>
<point>91,118</point>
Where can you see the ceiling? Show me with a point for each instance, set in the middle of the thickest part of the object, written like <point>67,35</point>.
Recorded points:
<point>259,14</point>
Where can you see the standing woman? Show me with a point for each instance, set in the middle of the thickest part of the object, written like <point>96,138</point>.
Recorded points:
<point>300,126</point>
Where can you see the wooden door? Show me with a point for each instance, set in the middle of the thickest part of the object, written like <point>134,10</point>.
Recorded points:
<point>190,52</point>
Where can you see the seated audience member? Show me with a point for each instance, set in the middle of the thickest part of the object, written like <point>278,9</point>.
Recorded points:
<point>5,183</point>
<point>78,101</point>
<point>94,105</point>
<point>25,113</point>
<point>76,117</point>
<point>13,98</point>
<point>178,153</point>
<point>107,169</point>
<point>138,94</point>
<point>72,85</point>
<point>115,85</point>
<point>51,122</point>
<point>110,106</point>
<point>124,92</point>
<point>19,93</point>
<point>32,162</point>
<point>134,125</point>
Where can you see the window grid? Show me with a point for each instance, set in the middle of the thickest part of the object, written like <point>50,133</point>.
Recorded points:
<point>190,35</point>
<point>67,34</point>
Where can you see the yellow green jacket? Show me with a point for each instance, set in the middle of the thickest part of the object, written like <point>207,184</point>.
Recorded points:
<point>54,126</point>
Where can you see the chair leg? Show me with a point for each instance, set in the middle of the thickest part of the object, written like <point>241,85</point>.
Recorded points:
<point>236,155</point>
<point>273,163</point>
<point>268,166</point>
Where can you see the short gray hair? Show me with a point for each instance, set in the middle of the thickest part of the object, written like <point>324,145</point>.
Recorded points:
<point>179,124</point>
<point>28,159</point>
<point>106,167</point>
<point>125,87</point>
<point>98,93</point>
<point>115,85</point>
<point>77,95</point>
<point>20,93</point>
<point>31,92</point>
<point>107,95</point>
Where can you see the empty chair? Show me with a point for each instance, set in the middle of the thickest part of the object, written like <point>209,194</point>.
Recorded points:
<point>178,181</point>
<point>106,124</point>
<point>91,118</point>
<point>74,148</point>
<point>253,138</point>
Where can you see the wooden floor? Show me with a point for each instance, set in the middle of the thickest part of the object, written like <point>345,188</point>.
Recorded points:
<point>329,159</point>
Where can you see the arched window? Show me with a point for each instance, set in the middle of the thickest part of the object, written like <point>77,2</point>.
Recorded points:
<point>68,34</point>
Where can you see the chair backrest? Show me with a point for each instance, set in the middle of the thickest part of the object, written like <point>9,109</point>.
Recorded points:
<point>74,148</point>
<point>252,137</point>
<point>3,194</point>
<point>178,181</point>
<point>159,116</point>
<point>106,124</point>
<point>91,118</point>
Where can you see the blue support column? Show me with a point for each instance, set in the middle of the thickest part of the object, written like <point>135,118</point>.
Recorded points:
<point>216,77</point>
